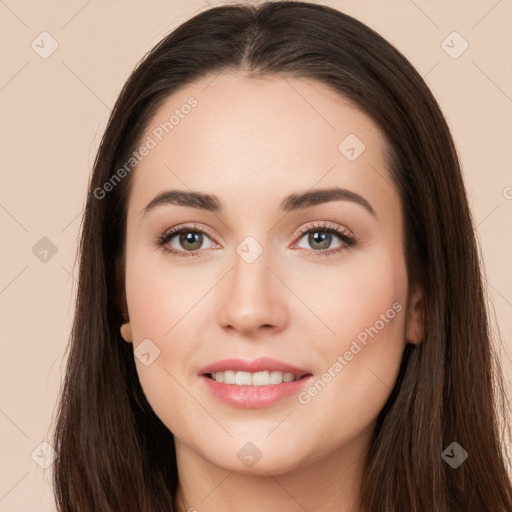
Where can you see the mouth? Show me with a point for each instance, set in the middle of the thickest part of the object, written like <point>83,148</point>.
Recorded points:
<point>261,378</point>
<point>253,384</point>
<point>246,390</point>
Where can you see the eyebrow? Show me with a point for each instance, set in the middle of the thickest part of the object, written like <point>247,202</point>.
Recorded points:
<point>298,201</point>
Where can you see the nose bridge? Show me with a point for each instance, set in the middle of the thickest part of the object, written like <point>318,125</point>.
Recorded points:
<point>252,299</point>
<point>250,269</point>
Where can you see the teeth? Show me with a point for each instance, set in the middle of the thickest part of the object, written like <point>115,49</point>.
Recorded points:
<point>265,378</point>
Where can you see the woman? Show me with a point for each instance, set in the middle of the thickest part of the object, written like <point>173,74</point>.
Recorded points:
<point>322,343</point>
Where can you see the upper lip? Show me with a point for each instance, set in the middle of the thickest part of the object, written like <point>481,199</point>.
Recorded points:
<point>257,365</point>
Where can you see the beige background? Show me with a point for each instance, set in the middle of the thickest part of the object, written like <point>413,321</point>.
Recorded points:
<point>54,111</point>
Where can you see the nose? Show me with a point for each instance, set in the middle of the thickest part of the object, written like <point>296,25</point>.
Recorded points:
<point>254,299</point>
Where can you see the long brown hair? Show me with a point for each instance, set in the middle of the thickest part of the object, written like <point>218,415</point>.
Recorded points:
<point>113,452</point>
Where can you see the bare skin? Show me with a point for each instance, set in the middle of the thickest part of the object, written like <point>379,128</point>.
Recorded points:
<point>251,143</point>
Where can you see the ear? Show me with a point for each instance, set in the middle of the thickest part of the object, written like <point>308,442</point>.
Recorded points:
<point>415,322</point>
<point>126,329</point>
<point>126,332</point>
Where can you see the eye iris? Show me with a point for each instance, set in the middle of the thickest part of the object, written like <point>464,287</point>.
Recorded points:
<point>324,239</point>
<point>190,237</point>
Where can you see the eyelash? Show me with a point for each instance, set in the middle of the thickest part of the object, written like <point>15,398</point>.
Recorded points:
<point>349,240</point>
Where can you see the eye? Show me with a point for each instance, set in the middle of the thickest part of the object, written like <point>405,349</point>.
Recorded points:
<point>320,236</point>
<point>189,240</point>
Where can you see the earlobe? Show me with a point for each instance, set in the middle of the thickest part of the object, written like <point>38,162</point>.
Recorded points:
<point>415,329</point>
<point>126,332</point>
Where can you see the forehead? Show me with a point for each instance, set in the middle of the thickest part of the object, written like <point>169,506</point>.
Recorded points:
<point>232,134</point>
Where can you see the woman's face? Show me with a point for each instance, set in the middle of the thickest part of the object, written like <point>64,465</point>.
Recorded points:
<point>318,283</point>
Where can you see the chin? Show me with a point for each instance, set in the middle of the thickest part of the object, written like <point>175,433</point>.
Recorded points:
<point>256,458</point>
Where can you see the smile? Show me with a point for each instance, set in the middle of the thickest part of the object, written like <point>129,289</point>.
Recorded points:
<point>263,378</point>
<point>244,394</point>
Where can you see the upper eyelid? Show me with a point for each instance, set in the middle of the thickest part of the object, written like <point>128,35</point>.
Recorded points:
<point>322,224</point>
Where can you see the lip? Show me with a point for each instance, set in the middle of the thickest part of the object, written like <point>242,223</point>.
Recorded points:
<point>258,365</point>
<point>253,397</point>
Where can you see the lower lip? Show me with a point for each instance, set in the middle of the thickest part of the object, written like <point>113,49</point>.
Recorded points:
<point>254,397</point>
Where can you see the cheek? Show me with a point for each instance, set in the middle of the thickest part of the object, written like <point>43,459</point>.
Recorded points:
<point>353,294</point>
<point>162,303</point>
<point>160,294</point>
<point>365,307</point>
<point>355,384</point>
